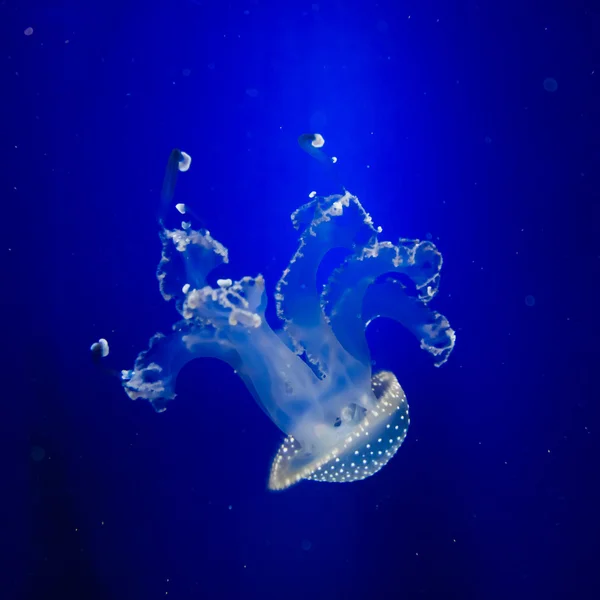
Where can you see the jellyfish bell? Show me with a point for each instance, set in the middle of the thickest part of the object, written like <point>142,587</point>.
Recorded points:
<point>355,447</point>
<point>185,161</point>
<point>99,349</point>
<point>317,140</point>
<point>312,144</point>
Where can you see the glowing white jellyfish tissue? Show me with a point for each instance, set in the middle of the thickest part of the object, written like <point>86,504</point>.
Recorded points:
<point>185,162</point>
<point>100,348</point>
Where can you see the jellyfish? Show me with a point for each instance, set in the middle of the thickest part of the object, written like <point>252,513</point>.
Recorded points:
<point>312,376</point>
<point>178,161</point>
<point>99,349</point>
<point>312,144</point>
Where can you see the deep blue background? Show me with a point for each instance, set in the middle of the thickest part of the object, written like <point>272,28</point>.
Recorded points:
<point>442,125</point>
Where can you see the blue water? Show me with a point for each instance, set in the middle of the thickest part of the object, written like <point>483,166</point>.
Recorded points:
<point>470,125</point>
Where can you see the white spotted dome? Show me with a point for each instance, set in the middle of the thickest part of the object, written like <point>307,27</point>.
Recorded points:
<point>366,450</point>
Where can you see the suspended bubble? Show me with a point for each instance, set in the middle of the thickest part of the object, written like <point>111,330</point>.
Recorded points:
<point>37,453</point>
<point>28,31</point>
<point>550,84</point>
<point>529,300</point>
